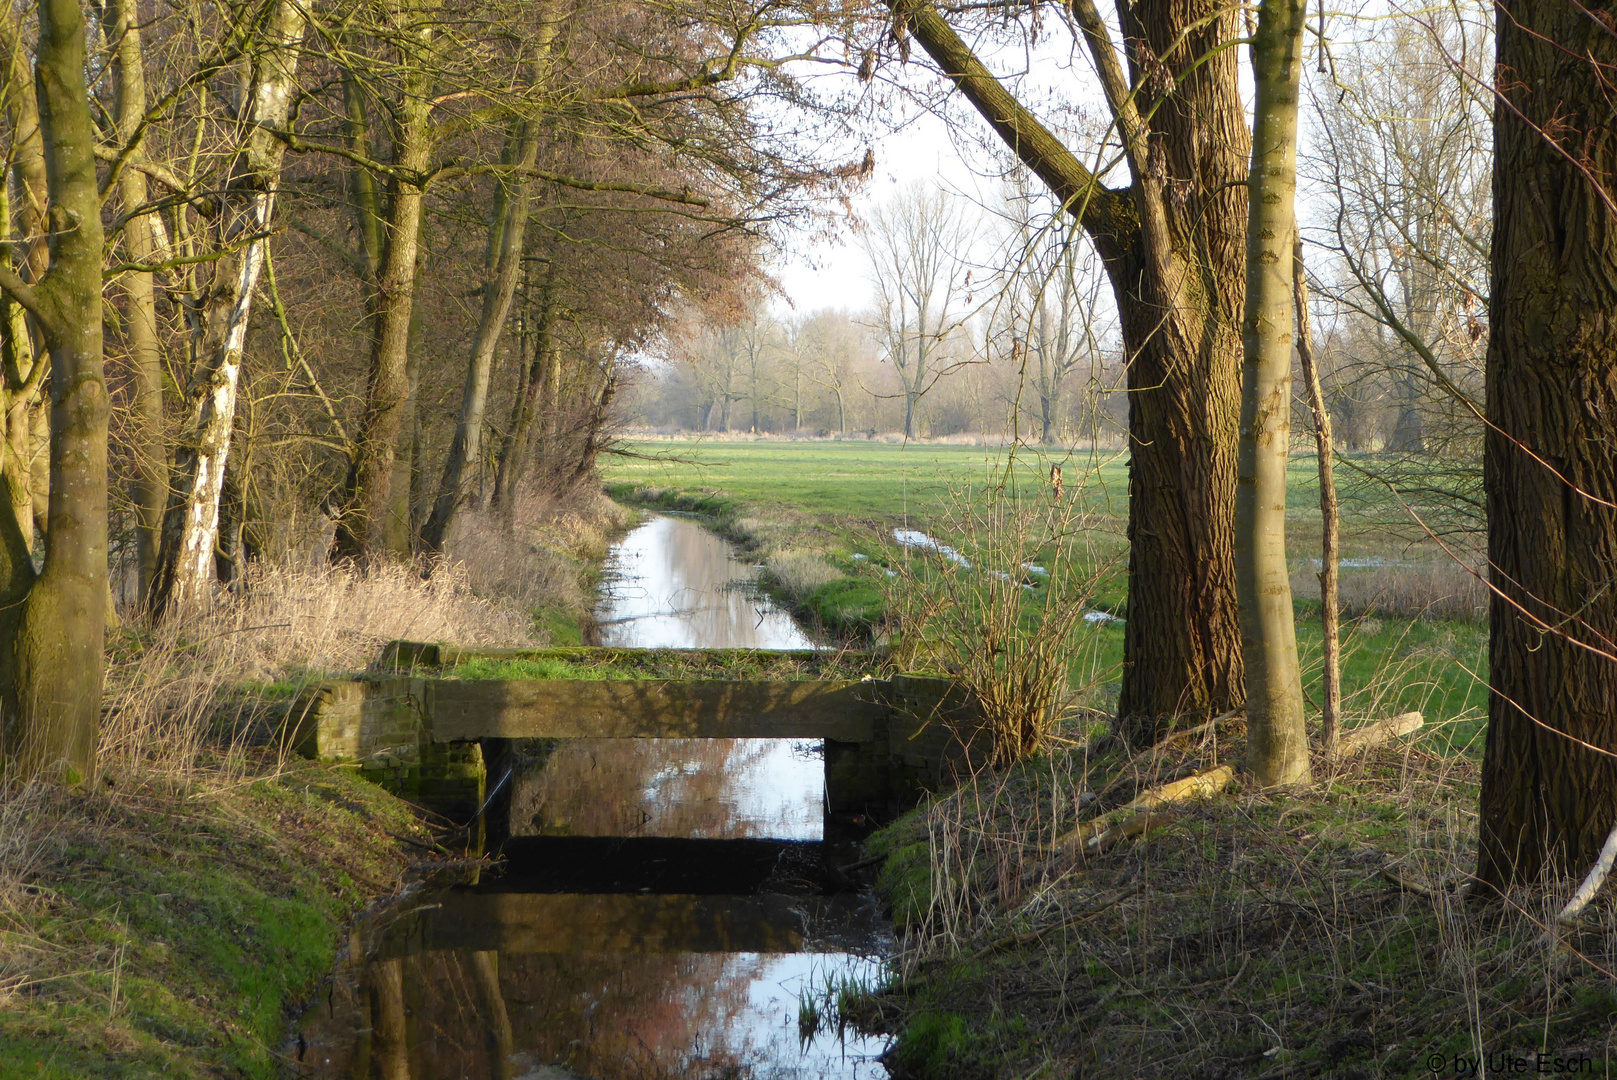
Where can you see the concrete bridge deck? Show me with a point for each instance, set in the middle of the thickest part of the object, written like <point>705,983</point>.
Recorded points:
<point>886,739</point>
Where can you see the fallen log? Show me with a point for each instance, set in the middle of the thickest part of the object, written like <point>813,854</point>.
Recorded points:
<point>1369,736</point>
<point>1144,812</point>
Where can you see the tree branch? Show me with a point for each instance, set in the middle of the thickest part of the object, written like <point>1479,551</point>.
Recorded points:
<point>1105,213</point>
<point>25,295</point>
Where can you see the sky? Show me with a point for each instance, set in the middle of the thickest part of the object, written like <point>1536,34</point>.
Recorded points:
<point>831,272</point>
<point>817,272</point>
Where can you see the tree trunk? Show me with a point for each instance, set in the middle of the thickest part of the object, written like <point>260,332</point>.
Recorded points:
<point>140,320</point>
<point>1330,518</point>
<point>185,561</point>
<point>1549,778</point>
<point>25,483</point>
<point>519,433</point>
<point>361,524</point>
<point>397,539</point>
<point>1182,643</point>
<point>1277,735</point>
<point>504,262</point>
<point>53,666</point>
<point>1172,249</point>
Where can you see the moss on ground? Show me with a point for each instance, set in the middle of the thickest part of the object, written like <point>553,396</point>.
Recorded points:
<point>1324,932</point>
<point>173,933</point>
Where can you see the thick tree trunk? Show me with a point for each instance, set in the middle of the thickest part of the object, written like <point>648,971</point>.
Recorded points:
<point>53,665</point>
<point>1182,640</point>
<point>361,525</point>
<point>1549,778</point>
<point>185,561</point>
<point>504,268</point>
<point>1277,735</point>
<point>1172,246</point>
<point>140,319</point>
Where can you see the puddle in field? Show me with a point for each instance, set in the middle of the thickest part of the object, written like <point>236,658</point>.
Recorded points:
<point>665,909</point>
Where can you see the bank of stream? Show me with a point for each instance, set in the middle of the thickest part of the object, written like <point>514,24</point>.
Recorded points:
<point>666,908</point>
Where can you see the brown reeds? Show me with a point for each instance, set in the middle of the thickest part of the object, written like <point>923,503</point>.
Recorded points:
<point>1000,598</point>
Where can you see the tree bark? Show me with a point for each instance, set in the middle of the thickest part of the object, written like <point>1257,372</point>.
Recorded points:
<point>1330,517</point>
<point>1277,735</point>
<point>361,523</point>
<point>25,481</point>
<point>1172,248</point>
<point>185,562</point>
<point>140,319</point>
<point>506,232</point>
<point>1549,778</point>
<point>53,653</point>
<point>539,390</point>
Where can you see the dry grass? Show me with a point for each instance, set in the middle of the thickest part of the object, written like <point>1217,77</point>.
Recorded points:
<point>547,559</point>
<point>996,600</point>
<point>1323,932</point>
<point>800,572</point>
<point>1430,589</point>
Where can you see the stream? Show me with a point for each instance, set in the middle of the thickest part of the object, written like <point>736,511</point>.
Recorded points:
<point>664,910</point>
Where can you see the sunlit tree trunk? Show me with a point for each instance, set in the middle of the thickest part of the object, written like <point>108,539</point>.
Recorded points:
<point>185,563</point>
<point>51,637</point>
<point>504,268</point>
<point>1330,517</point>
<point>1549,778</point>
<point>1277,739</point>
<point>24,476</point>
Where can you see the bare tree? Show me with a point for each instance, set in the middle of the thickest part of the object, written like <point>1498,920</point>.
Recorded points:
<point>53,624</point>
<point>1051,304</point>
<point>918,245</point>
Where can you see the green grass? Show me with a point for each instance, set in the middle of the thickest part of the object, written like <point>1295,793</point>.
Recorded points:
<point>844,498</point>
<point>178,937</point>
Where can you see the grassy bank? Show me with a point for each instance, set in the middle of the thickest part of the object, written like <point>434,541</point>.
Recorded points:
<point>1323,932</point>
<point>170,932</point>
<point>173,917</point>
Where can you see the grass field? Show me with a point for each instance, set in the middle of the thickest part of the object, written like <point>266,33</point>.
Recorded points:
<point>841,499</point>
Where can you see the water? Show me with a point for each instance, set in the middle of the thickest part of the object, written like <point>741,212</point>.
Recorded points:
<point>666,911</point>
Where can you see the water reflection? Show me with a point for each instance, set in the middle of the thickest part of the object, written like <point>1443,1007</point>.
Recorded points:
<point>610,987</point>
<point>573,964</point>
<point>706,788</point>
<point>671,584</point>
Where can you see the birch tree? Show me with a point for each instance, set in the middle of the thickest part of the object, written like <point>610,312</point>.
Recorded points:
<point>185,562</point>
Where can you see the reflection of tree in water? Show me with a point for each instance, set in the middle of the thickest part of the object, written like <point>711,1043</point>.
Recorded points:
<point>668,1016</point>
<point>650,787</point>
<point>434,1016</point>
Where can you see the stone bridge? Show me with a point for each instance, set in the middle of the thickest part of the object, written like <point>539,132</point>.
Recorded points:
<point>436,740</point>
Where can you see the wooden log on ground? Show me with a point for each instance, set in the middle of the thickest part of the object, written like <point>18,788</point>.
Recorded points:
<point>1369,736</point>
<point>1144,812</point>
